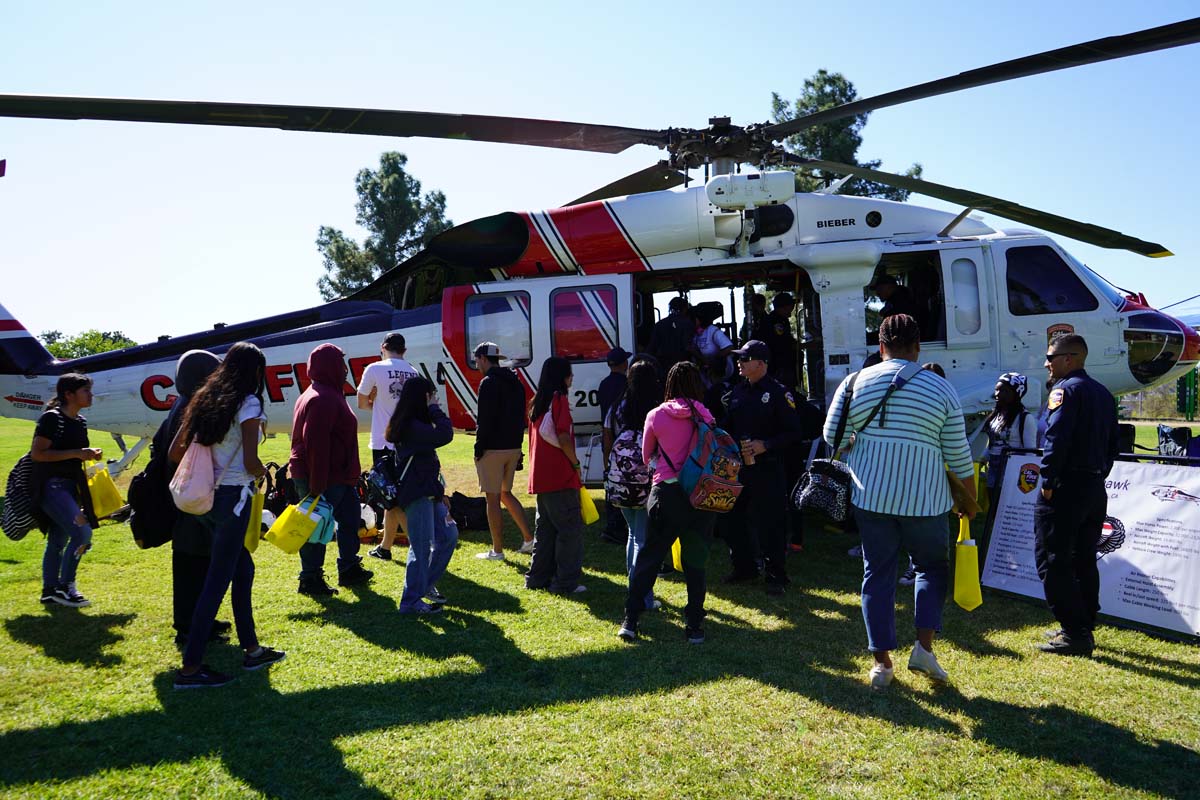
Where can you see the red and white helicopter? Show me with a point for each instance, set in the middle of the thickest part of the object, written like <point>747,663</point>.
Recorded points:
<point>578,280</point>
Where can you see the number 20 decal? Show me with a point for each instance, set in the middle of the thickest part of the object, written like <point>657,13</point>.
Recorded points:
<point>583,399</point>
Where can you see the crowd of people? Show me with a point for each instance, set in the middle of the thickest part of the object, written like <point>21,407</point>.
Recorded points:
<point>906,424</point>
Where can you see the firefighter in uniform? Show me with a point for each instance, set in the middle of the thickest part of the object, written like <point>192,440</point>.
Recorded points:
<point>1078,452</point>
<point>760,412</point>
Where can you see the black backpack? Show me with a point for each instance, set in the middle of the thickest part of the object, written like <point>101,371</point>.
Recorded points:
<point>280,490</point>
<point>152,511</point>
<point>469,513</point>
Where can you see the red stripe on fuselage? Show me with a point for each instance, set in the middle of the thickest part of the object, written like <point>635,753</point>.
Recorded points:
<point>537,259</point>
<point>11,325</point>
<point>595,239</point>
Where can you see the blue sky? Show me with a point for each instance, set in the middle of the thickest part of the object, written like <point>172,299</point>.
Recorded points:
<point>167,229</point>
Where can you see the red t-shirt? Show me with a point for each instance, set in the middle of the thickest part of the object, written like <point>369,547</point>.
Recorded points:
<point>549,468</point>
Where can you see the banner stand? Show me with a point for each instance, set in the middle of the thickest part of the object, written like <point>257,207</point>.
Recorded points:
<point>1149,553</point>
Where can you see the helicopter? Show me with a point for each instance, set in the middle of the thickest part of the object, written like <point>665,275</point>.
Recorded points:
<point>578,280</point>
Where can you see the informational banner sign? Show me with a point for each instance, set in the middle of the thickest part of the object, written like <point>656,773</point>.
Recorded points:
<point>1149,557</point>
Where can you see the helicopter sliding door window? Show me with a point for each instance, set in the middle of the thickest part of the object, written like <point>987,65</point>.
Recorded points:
<point>1040,282</point>
<point>502,318</point>
<point>583,322</point>
<point>967,319</point>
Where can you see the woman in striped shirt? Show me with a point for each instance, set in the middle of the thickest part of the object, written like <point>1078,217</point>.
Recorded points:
<point>907,426</point>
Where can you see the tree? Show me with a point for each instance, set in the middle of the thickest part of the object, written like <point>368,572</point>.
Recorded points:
<point>399,220</point>
<point>87,343</point>
<point>832,141</point>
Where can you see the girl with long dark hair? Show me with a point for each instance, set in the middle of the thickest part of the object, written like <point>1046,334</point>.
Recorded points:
<point>60,446</point>
<point>226,414</point>
<point>667,439</point>
<point>557,562</point>
<point>643,392</point>
<point>417,428</point>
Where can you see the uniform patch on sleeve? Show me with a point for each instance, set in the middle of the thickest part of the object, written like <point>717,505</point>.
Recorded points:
<point>1056,399</point>
<point>791,401</point>
<point>766,397</point>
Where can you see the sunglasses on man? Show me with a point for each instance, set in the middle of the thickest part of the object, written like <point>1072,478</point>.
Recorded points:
<point>1051,356</point>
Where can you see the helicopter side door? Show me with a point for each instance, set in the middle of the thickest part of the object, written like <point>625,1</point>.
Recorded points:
<point>577,317</point>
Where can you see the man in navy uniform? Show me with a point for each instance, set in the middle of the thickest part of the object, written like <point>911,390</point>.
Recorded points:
<point>1078,452</point>
<point>760,412</point>
<point>775,330</point>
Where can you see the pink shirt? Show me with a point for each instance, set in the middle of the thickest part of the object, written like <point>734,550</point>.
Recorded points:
<point>670,428</point>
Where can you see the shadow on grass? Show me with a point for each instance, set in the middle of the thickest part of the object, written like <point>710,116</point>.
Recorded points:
<point>285,745</point>
<point>69,636</point>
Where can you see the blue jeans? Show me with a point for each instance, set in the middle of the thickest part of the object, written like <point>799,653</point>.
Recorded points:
<point>230,564</point>
<point>637,519</point>
<point>927,541</point>
<point>69,531</point>
<point>432,537</point>
<point>348,514</point>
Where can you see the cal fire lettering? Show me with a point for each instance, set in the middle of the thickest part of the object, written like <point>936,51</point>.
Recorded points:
<point>357,367</point>
<point>151,399</point>
<point>835,223</point>
<point>276,379</point>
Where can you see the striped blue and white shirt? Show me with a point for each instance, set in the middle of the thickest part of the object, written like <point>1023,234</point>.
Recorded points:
<point>899,462</point>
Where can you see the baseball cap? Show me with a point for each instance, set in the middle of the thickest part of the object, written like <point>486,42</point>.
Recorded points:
<point>618,355</point>
<point>488,350</point>
<point>753,349</point>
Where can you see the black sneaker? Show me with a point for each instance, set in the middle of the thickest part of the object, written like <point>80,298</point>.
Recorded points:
<point>1066,645</point>
<point>316,587</point>
<point>628,630</point>
<point>435,597</point>
<point>379,552</point>
<point>266,657</point>
<point>47,597</point>
<point>694,634</point>
<point>70,596</point>
<point>355,576</point>
<point>203,678</point>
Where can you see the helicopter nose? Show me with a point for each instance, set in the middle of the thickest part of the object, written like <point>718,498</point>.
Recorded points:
<point>1159,346</point>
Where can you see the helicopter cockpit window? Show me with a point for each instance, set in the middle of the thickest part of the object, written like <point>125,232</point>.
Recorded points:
<point>502,318</point>
<point>1040,282</point>
<point>583,322</point>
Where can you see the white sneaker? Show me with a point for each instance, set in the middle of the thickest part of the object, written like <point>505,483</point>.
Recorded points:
<point>924,661</point>
<point>881,676</point>
<point>490,555</point>
<point>527,547</point>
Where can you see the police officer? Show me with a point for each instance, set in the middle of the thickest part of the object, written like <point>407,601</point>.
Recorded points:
<point>775,331</point>
<point>761,415</point>
<point>1078,452</point>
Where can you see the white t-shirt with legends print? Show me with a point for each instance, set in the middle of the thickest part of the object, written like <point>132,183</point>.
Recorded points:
<point>387,378</point>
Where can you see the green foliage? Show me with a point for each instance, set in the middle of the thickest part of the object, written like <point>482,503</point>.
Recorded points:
<point>83,344</point>
<point>832,141</point>
<point>399,220</point>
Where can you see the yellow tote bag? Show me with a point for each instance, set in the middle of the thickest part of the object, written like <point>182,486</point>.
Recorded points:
<point>105,497</point>
<point>967,592</point>
<point>587,506</point>
<point>293,527</point>
<point>677,555</point>
<point>254,526</point>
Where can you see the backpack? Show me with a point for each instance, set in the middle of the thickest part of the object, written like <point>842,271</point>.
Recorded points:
<point>709,476</point>
<point>280,490</point>
<point>152,509</point>
<point>628,481</point>
<point>18,518</point>
<point>469,513</point>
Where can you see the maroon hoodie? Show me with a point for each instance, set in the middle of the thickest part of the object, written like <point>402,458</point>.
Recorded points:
<point>324,429</point>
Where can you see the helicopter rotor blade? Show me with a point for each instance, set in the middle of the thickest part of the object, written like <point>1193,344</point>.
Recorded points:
<point>1080,231</point>
<point>371,122</point>
<point>651,179</point>
<point>1147,41</point>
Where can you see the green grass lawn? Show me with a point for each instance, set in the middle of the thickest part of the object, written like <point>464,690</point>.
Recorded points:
<point>519,694</point>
